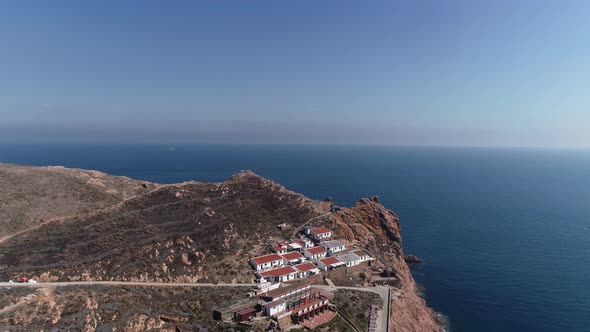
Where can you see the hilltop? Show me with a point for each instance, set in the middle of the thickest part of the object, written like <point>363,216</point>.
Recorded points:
<point>70,224</point>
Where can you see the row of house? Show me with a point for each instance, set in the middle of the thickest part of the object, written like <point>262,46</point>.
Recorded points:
<point>303,258</point>
<point>289,304</point>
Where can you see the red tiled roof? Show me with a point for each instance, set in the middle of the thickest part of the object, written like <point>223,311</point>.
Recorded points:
<point>279,272</point>
<point>299,242</point>
<point>330,260</point>
<point>316,250</point>
<point>305,267</point>
<point>292,255</point>
<point>320,230</point>
<point>266,259</point>
<point>278,248</point>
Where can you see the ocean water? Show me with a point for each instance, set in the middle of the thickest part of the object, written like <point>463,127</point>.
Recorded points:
<point>505,234</point>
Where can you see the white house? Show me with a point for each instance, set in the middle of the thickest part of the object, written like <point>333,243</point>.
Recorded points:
<point>281,274</point>
<point>363,256</point>
<point>314,253</point>
<point>307,269</point>
<point>329,263</point>
<point>350,258</point>
<point>320,233</point>
<point>278,249</point>
<point>266,262</point>
<point>333,246</point>
<point>293,258</point>
<point>274,307</point>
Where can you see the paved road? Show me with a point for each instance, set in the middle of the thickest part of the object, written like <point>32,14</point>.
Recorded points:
<point>122,283</point>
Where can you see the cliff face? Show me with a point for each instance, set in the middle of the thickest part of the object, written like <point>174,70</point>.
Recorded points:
<point>370,225</point>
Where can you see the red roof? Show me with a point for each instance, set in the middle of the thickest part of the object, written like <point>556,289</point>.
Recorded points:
<point>299,242</point>
<point>266,259</point>
<point>316,250</point>
<point>305,267</point>
<point>320,230</point>
<point>330,260</point>
<point>292,256</point>
<point>279,272</point>
<point>278,249</point>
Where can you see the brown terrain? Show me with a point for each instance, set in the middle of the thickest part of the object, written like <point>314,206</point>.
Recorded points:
<point>60,224</point>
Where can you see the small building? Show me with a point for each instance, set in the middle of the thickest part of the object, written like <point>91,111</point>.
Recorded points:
<point>314,253</point>
<point>320,233</point>
<point>363,256</point>
<point>281,274</point>
<point>297,245</point>
<point>307,269</point>
<point>279,249</point>
<point>274,307</point>
<point>293,294</point>
<point>350,258</point>
<point>330,263</point>
<point>237,312</point>
<point>266,262</point>
<point>333,246</point>
<point>293,258</point>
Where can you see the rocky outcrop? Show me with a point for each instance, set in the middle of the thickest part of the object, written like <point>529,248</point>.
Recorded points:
<point>370,225</point>
<point>411,259</point>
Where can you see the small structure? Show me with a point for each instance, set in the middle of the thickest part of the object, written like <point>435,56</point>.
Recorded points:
<point>281,274</point>
<point>308,308</point>
<point>330,263</point>
<point>307,269</point>
<point>333,246</point>
<point>363,256</point>
<point>293,258</point>
<point>292,294</point>
<point>278,249</point>
<point>274,307</point>
<point>314,253</point>
<point>266,261</point>
<point>349,258</point>
<point>320,233</point>
<point>237,312</point>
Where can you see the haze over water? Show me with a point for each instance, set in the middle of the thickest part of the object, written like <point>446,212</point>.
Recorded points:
<point>505,234</point>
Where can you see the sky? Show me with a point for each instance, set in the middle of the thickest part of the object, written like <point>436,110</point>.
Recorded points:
<point>415,72</point>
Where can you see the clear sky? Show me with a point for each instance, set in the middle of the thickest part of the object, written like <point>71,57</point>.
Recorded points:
<point>477,73</point>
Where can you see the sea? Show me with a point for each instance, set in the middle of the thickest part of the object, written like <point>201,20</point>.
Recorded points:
<point>504,233</point>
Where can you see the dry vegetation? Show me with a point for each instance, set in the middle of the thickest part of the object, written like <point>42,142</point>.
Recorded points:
<point>109,308</point>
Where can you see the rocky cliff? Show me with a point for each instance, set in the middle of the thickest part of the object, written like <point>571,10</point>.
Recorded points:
<point>197,232</point>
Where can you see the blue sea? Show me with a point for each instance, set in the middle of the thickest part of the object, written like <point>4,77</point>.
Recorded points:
<point>505,234</point>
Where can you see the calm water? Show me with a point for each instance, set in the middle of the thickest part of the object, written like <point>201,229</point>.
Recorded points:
<point>505,233</point>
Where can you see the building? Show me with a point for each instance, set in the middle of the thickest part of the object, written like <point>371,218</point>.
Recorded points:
<point>292,294</point>
<point>333,246</point>
<point>330,263</point>
<point>293,258</point>
<point>314,253</point>
<point>281,274</point>
<point>350,258</point>
<point>310,307</point>
<point>279,249</point>
<point>266,262</point>
<point>307,269</point>
<point>237,312</point>
<point>362,255</point>
<point>320,233</point>
<point>274,307</point>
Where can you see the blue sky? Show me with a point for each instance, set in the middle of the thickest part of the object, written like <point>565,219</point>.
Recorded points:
<point>476,73</point>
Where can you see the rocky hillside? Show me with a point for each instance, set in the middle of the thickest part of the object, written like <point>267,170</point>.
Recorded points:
<point>30,196</point>
<point>198,232</point>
